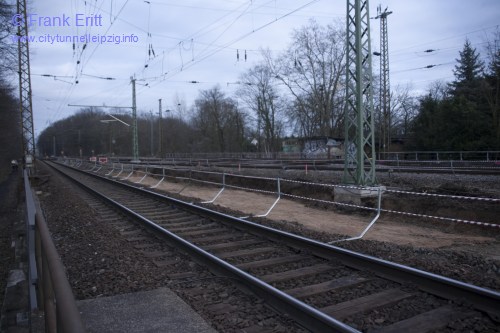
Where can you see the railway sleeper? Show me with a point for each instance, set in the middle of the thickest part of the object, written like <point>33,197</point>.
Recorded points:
<point>366,303</point>
<point>427,321</point>
<point>339,311</point>
<point>328,286</point>
<point>298,273</point>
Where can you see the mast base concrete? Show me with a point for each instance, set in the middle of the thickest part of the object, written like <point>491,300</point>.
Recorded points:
<point>357,195</point>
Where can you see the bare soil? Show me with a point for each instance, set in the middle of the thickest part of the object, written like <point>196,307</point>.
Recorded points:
<point>395,229</point>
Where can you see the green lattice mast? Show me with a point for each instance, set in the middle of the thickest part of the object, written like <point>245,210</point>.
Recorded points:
<point>359,144</point>
<point>25,100</point>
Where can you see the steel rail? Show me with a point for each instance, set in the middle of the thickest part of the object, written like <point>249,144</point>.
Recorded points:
<point>466,170</point>
<point>481,298</point>
<point>306,315</point>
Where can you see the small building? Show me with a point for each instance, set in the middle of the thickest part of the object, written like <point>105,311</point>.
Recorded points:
<point>291,145</point>
<point>314,147</point>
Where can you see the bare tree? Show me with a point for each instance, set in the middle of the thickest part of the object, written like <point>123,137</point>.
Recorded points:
<point>8,47</point>
<point>404,108</point>
<point>313,70</point>
<point>10,131</point>
<point>180,109</point>
<point>438,90</point>
<point>218,121</point>
<point>259,93</point>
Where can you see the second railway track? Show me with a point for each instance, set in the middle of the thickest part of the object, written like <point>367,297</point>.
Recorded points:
<point>323,288</point>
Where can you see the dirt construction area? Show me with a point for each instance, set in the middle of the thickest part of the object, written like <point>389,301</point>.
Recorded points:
<point>334,224</point>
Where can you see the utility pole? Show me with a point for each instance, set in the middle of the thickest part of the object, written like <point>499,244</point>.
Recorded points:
<point>159,129</point>
<point>151,122</point>
<point>25,100</point>
<point>385,95</point>
<point>359,141</point>
<point>135,145</point>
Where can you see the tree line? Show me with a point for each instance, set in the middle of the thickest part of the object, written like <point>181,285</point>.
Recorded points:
<point>10,126</point>
<point>465,113</point>
<point>300,92</point>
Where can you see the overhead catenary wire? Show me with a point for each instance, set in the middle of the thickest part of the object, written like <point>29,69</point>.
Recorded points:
<point>192,42</point>
<point>199,32</point>
<point>193,38</point>
<point>257,29</point>
<point>169,60</point>
<point>424,67</point>
<point>79,66</point>
<point>88,58</point>
<point>92,8</point>
<point>105,33</point>
<point>426,43</point>
<point>197,58</point>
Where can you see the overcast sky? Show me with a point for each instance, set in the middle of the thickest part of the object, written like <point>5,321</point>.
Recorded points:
<point>172,43</point>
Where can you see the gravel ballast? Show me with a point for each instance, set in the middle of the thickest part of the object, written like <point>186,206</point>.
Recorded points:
<point>95,254</point>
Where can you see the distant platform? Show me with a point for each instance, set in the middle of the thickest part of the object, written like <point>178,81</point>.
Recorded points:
<point>158,310</point>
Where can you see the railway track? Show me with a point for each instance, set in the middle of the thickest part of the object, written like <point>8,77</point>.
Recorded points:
<point>389,166</point>
<point>324,288</point>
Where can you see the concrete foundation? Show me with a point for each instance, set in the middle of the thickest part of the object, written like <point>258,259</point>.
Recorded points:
<point>357,196</point>
<point>157,310</point>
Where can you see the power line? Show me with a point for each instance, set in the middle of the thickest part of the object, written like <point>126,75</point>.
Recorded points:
<point>105,33</point>
<point>163,77</point>
<point>78,68</point>
<point>424,44</point>
<point>200,32</point>
<point>84,60</point>
<point>204,57</point>
<point>424,67</point>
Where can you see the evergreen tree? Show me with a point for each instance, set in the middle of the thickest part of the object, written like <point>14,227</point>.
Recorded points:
<point>462,119</point>
<point>423,126</point>
<point>468,72</point>
<point>469,114</point>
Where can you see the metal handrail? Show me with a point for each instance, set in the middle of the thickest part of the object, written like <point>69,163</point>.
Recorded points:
<point>59,305</point>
